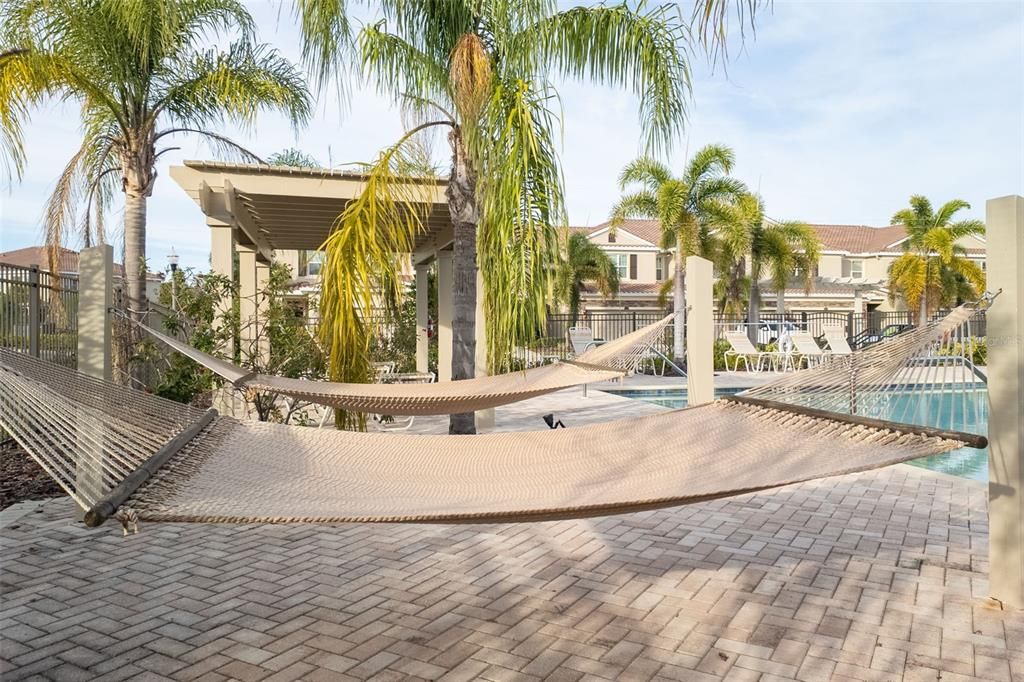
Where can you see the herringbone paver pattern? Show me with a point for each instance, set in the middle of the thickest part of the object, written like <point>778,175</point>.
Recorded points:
<point>878,576</point>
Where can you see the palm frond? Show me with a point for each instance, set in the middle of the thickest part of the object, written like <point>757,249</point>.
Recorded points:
<point>361,272</point>
<point>645,171</point>
<point>234,84</point>
<point>521,201</point>
<point>710,21</point>
<point>644,50</point>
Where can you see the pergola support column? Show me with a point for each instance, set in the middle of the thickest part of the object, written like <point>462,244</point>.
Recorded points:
<point>422,317</point>
<point>1004,227</point>
<point>222,254</point>
<point>445,310</point>
<point>247,302</point>
<point>262,311</point>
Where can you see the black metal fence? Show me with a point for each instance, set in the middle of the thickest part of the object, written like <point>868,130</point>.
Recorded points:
<point>39,313</point>
<point>861,328</point>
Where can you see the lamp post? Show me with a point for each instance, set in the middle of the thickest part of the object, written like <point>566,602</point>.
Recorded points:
<point>172,261</point>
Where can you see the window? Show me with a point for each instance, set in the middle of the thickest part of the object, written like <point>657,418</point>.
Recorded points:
<point>854,268</point>
<point>621,261</point>
<point>310,262</point>
<point>611,237</point>
<point>659,268</point>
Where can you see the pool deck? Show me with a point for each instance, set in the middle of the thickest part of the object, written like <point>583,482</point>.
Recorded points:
<point>879,576</point>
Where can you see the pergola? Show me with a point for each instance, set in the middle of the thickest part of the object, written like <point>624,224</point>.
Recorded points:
<point>260,211</point>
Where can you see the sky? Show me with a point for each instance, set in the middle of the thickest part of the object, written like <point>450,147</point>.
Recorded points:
<point>837,112</point>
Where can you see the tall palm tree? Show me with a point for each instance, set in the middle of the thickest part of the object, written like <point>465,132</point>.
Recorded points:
<point>686,207</point>
<point>480,72</point>
<point>584,261</point>
<point>142,73</point>
<point>779,249</point>
<point>934,270</point>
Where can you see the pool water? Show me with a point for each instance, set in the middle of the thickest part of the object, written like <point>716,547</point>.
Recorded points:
<point>964,411</point>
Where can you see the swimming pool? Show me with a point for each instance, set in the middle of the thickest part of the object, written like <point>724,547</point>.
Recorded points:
<point>968,411</point>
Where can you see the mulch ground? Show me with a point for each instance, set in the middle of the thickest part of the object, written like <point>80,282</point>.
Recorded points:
<point>21,478</point>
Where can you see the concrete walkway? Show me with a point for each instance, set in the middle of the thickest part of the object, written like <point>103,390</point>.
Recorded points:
<point>877,576</point>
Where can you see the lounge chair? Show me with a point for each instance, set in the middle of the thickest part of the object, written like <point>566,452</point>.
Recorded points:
<point>807,348</point>
<point>582,339</point>
<point>836,339</point>
<point>743,349</point>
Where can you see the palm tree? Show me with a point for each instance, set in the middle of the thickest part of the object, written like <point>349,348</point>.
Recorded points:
<point>141,75</point>
<point>293,157</point>
<point>780,249</point>
<point>480,72</point>
<point>584,262</point>
<point>933,270</point>
<point>686,207</point>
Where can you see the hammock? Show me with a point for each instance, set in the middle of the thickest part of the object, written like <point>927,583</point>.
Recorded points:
<point>608,361</point>
<point>118,451</point>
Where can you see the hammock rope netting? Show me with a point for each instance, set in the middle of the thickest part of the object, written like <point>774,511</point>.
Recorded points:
<point>608,361</point>
<point>121,452</point>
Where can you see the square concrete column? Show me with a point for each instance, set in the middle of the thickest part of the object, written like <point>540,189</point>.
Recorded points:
<point>1004,234</point>
<point>445,310</point>
<point>247,292</point>
<point>484,418</point>
<point>95,299</point>
<point>95,332</point>
<point>222,256</point>
<point>700,331</point>
<point>262,308</point>
<point>422,317</point>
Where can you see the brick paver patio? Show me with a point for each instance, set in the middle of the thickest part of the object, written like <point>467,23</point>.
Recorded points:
<point>879,576</point>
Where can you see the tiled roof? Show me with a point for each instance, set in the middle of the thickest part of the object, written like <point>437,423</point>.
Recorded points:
<point>648,230</point>
<point>860,238</point>
<point>37,255</point>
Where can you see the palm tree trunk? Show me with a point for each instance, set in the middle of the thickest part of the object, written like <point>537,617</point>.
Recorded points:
<point>135,252</point>
<point>462,206</point>
<point>780,301</point>
<point>679,310</point>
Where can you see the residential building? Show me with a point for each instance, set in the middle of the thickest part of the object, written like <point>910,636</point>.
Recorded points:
<point>851,274</point>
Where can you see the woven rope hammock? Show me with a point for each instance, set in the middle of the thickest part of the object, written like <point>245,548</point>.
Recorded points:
<point>608,361</point>
<point>120,452</point>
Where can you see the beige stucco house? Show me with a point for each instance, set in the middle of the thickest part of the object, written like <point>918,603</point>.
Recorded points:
<point>851,274</point>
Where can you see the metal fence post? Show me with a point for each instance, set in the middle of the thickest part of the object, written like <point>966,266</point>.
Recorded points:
<point>35,320</point>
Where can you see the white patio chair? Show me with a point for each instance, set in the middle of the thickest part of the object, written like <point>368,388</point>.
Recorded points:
<point>742,349</point>
<point>805,346</point>
<point>582,339</point>
<point>836,339</point>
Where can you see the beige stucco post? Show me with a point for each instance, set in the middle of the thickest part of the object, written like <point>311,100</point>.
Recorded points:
<point>1004,227</point>
<point>222,253</point>
<point>247,301</point>
<point>262,308</point>
<point>422,317</point>
<point>95,332</point>
<point>95,299</point>
<point>445,284</point>
<point>484,418</point>
<point>700,331</point>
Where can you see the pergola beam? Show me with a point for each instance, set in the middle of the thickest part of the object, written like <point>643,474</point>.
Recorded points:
<point>245,222</point>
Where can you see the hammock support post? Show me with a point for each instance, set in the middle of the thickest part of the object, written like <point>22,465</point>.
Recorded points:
<point>700,327</point>
<point>108,505</point>
<point>1004,227</point>
<point>95,353</point>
